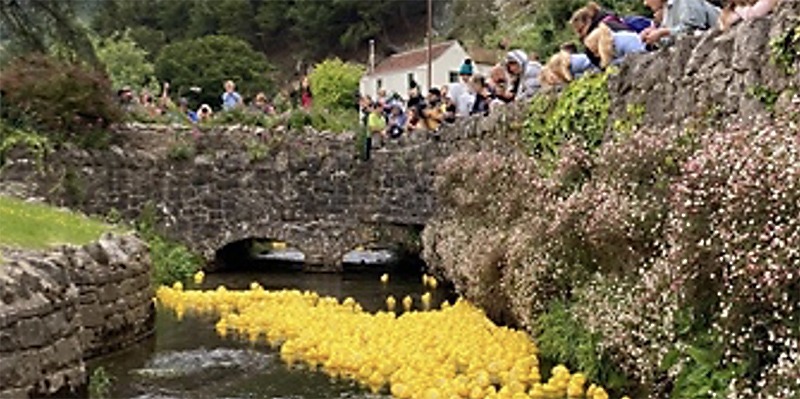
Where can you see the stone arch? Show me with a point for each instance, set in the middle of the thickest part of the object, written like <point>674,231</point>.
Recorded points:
<point>402,240</point>
<point>244,253</point>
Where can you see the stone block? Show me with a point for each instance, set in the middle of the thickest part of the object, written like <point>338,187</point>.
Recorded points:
<point>108,293</point>
<point>8,364</point>
<point>92,315</point>
<point>31,333</point>
<point>55,323</point>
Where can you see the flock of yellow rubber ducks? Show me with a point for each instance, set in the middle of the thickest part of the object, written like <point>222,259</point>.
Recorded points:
<point>450,352</point>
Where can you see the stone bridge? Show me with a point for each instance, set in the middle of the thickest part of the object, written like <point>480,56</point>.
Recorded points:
<point>223,186</point>
<point>227,185</point>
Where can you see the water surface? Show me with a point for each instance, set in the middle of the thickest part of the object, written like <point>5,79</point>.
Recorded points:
<point>186,359</point>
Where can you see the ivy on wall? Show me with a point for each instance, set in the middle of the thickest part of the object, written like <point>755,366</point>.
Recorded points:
<point>580,113</point>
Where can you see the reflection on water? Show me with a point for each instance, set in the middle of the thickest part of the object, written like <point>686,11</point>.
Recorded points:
<point>356,257</point>
<point>186,359</point>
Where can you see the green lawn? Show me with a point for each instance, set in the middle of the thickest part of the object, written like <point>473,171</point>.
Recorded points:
<point>37,226</point>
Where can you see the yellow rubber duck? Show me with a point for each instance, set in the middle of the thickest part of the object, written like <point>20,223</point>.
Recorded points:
<point>407,302</point>
<point>405,354</point>
<point>426,301</point>
<point>432,282</point>
<point>199,276</point>
<point>390,303</point>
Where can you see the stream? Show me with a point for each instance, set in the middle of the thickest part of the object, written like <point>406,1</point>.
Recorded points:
<point>186,359</point>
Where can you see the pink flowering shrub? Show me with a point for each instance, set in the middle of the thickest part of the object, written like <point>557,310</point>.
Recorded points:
<point>674,247</point>
<point>734,237</point>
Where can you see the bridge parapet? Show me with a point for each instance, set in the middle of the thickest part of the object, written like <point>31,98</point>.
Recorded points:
<point>234,183</point>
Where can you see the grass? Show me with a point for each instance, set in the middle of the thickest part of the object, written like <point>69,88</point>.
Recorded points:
<point>38,226</point>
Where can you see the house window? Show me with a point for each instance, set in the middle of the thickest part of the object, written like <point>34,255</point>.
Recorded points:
<point>453,77</point>
<point>410,78</point>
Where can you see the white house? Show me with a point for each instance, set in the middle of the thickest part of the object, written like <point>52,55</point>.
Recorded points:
<point>394,74</point>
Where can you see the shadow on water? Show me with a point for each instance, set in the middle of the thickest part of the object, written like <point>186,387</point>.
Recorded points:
<point>186,359</point>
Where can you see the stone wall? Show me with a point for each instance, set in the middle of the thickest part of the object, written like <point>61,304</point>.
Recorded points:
<point>709,76</point>
<point>697,83</point>
<point>65,305</point>
<point>223,185</point>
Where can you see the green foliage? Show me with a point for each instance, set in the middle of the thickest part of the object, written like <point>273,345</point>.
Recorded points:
<point>785,49</point>
<point>764,95</point>
<point>321,28</point>
<point>100,384</point>
<point>73,186</point>
<point>171,261</point>
<point>60,99</point>
<point>13,137</point>
<point>257,151</point>
<point>703,374</point>
<point>243,116</point>
<point>208,62</point>
<point>563,340</point>
<point>182,150</point>
<point>580,112</point>
<point>542,26</point>
<point>335,83</point>
<point>472,20</point>
<point>125,62</point>
<point>335,120</point>
<point>633,118</point>
<point>36,26</point>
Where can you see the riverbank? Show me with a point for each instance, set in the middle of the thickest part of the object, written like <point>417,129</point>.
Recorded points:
<point>67,296</point>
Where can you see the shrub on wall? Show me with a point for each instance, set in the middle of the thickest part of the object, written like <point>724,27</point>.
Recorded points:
<point>171,261</point>
<point>334,84</point>
<point>677,250</point>
<point>56,97</point>
<point>580,112</point>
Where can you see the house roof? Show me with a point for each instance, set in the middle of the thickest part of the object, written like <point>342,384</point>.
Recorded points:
<point>412,58</point>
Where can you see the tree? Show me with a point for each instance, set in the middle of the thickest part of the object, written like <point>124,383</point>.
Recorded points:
<point>38,26</point>
<point>125,62</point>
<point>472,20</point>
<point>333,83</point>
<point>53,96</point>
<point>208,62</point>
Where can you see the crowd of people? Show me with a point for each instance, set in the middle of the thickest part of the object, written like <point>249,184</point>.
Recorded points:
<point>607,39</point>
<point>145,105</point>
<point>606,36</point>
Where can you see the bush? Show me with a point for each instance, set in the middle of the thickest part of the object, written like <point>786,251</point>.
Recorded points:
<point>580,112</point>
<point>334,84</point>
<point>125,62</point>
<point>11,137</point>
<point>562,339</point>
<point>244,116</point>
<point>332,120</point>
<point>676,250</point>
<point>171,261</point>
<point>208,62</point>
<point>57,98</point>
<point>733,232</point>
